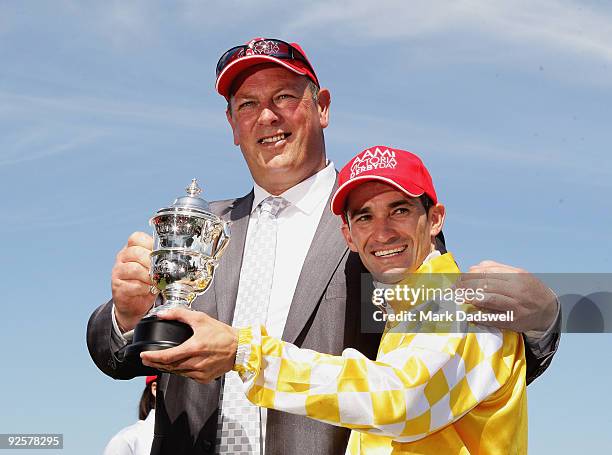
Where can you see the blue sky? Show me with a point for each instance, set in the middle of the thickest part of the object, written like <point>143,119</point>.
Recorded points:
<point>108,109</point>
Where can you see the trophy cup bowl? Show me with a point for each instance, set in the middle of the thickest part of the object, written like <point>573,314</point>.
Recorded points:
<point>188,242</point>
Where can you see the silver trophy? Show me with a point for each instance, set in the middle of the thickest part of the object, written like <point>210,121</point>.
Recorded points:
<point>188,242</point>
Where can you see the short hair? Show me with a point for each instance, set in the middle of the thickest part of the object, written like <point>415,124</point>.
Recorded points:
<point>314,92</point>
<point>439,240</point>
<point>426,202</point>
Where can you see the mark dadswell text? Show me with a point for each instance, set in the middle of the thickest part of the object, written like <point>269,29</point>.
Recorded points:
<point>443,316</point>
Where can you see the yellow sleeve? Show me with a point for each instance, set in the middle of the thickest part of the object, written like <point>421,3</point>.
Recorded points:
<point>423,383</point>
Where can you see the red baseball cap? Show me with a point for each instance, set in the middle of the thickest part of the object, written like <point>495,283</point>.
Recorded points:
<point>258,51</point>
<point>398,168</point>
<point>150,379</point>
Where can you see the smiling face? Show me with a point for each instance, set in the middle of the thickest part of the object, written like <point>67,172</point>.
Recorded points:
<point>278,126</point>
<point>390,230</point>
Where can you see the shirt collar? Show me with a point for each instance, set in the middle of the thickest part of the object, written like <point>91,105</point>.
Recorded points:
<point>430,256</point>
<point>306,195</point>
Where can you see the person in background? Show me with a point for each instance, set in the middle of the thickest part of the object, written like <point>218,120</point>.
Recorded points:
<point>138,437</point>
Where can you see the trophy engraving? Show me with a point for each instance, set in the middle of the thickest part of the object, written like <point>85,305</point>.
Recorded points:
<point>188,243</point>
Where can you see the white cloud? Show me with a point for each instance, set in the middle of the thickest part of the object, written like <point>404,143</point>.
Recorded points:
<point>38,144</point>
<point>39,127</point>
<point>565,26</point>
<point>29,106</point>
<point>122,23</point>
<point>466,147</point>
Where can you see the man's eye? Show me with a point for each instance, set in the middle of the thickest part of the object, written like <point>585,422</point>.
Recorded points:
<point>362,219</point>
<point>284,97</point>
<point>245,105</point>
<point>401,211</point>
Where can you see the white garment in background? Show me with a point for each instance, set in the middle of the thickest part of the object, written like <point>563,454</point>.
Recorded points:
<point>133,440</point>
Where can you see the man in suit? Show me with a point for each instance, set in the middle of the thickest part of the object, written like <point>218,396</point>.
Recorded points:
<point>277,112</point>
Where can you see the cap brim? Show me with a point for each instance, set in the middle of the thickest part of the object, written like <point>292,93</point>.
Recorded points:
<point>229,73</point>
<point>338,202</point>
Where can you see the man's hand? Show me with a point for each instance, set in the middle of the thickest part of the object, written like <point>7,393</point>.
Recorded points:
<point>510,288</point>
<point>130,281</point>
<point>208,354</point>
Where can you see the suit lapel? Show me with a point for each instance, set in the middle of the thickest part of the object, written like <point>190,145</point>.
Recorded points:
<point>226,281</point>
<point>316,272</point>
<point>325,253</point>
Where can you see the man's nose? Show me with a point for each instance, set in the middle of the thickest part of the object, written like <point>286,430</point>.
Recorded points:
<point>267,116</point>
<point>384,232</point>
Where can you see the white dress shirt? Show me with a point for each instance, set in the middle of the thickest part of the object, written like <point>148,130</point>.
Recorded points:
<point>296,228</point>
<point>297,224</point>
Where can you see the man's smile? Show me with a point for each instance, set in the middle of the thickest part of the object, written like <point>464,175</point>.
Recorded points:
<point>389,252</point>
<point>274,139</point>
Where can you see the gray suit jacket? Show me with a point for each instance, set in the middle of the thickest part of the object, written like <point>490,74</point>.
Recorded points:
<point>324,316</point>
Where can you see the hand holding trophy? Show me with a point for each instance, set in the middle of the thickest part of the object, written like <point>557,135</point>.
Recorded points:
<point>188,242</point>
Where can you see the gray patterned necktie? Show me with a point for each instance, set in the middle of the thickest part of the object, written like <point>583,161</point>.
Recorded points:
<point>239,425</point>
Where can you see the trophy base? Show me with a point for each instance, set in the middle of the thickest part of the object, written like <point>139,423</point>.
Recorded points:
<point>154,334</point>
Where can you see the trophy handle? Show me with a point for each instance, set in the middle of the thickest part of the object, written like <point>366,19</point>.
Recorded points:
<point>223,241</point>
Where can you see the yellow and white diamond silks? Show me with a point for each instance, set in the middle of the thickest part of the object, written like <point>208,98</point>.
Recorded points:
<point>425,393</point>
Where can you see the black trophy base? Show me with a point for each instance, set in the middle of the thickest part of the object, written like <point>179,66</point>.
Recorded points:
<point>154,334</point>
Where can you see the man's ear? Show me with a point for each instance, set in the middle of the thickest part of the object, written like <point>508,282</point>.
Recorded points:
<point>232,123</point>
<point>346,232</point>
<point>323,106</point>
<point>436,215</point>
